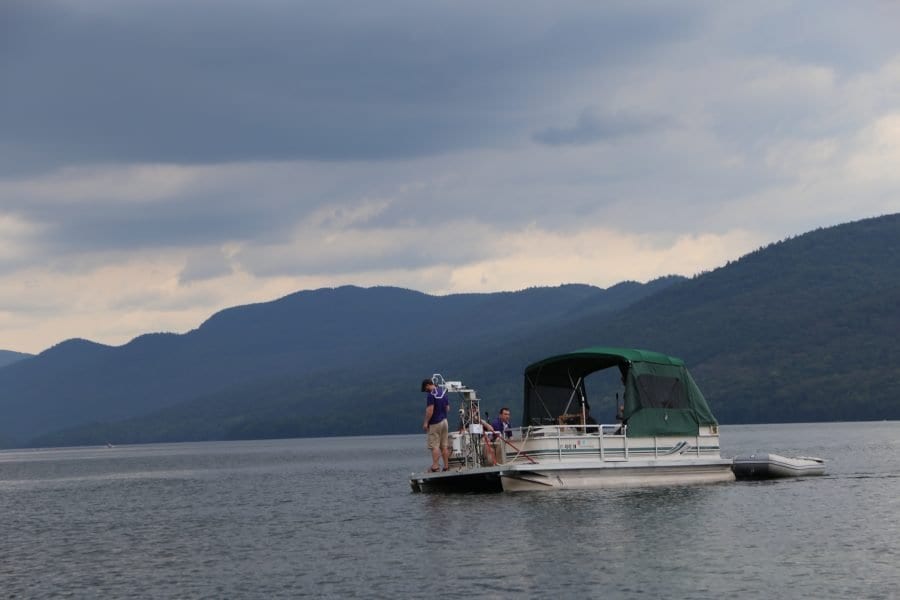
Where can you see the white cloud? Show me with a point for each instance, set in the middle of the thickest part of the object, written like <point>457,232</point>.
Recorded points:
<point>806,158</point>
<point>595,256</point>
<point>877,155</point>
<point>206,263</point>
<point>15,234</point>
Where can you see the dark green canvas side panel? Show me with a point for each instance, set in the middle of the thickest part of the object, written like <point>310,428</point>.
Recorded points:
<point>664,400</point>
<point>701,408</point>
<point>660,421</point>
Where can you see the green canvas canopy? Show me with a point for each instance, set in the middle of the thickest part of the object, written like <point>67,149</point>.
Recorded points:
<point>661,397</point>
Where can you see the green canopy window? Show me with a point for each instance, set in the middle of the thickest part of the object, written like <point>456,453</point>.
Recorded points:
<point>657,391</point>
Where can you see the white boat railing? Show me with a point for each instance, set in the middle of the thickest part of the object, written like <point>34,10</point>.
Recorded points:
<point>612,443</point>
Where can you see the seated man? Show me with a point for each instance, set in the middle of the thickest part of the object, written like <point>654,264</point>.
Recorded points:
<point>501,425</point>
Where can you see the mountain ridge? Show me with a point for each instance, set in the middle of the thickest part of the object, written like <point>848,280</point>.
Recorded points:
<point>798,330</point>
<point>8,357</point>
<point>298,335</point>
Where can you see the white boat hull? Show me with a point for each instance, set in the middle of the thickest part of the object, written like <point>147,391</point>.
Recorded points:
<point>580,474</point>
<point>615,475</point>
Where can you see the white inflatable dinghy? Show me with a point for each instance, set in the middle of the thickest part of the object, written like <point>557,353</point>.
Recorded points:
<point>766,465</point>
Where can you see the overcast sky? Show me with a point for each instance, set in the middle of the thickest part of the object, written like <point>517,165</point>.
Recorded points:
<point>163,159</point>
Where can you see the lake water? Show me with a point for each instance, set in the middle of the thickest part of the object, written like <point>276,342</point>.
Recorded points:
<point>335,518</point>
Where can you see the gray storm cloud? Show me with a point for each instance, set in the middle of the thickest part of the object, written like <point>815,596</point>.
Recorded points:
<point>592,127</point>
<point>207,82</point>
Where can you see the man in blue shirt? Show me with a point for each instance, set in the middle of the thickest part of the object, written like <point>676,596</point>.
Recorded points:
<point>437,405</point>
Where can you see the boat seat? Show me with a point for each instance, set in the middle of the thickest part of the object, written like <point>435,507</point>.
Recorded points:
<point>569,419</point>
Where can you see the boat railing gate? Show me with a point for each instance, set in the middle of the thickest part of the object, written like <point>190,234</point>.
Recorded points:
<point>697,447</point>
<point>570,432</point>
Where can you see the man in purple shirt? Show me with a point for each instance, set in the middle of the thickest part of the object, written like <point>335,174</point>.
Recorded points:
<point>437,405</point>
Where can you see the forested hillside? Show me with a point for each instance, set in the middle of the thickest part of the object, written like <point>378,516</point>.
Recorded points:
<point>248,352</point>
<point>801,330</point>
<point>8,357</point>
